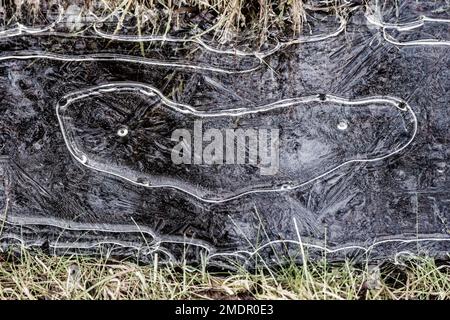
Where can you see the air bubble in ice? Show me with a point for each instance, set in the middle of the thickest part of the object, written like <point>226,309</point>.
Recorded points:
<point>342,125</point>
<point>441,167</point>
<point>143,181</point>
<point>286,186</point>
<point>84,159</point>
<point>122,132</point>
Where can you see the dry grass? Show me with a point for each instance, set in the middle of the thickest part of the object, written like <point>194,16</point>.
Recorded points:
<point>225,16</point>
<point>38,276</point>
<point>226,19</point>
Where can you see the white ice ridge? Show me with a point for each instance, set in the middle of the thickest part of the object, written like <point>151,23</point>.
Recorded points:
<point>201,42</point>
<point>49,30</point>
<point>155,247</point>
<point>149,91</point>
<point>375,18</point>
<point>150,248</point>
<point>110,57</point>
<point>21,29</point>
<point>103,57</point>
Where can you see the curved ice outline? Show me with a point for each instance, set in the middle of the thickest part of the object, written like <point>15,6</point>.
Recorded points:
<point>186,109</point>
<point>377,20</point>
<point>123,58</point>
<point>25,55</point>
<point>151,248</point>
<point>199,41</point>
<point>28,55</point>
<point>22,29</point>
<point>155,246</point>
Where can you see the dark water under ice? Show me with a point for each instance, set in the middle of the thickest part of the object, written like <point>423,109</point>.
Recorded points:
<point>360,107</point>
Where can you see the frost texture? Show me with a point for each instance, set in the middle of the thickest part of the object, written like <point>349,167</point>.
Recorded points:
<point>398,203</point>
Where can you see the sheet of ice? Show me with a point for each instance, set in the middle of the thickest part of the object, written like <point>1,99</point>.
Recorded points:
<point>364,209</point>
<point>315,135</point>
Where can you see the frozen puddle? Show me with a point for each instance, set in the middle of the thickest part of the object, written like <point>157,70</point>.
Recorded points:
<point>132,131</point>
<point>125,168</point>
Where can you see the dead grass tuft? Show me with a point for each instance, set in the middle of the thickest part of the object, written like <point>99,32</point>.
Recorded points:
<point>38,276</point>
<point>226,19</point>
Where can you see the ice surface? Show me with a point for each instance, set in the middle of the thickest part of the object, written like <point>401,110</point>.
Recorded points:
<point>363,123</point>
<point>125,129</point>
